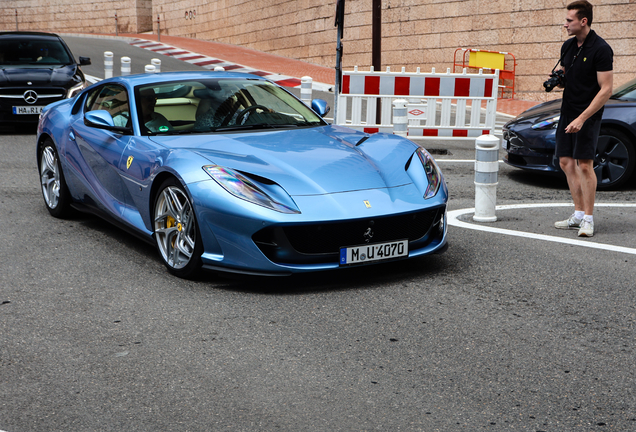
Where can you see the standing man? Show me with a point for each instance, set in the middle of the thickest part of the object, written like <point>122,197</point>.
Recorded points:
<point>587,62</point>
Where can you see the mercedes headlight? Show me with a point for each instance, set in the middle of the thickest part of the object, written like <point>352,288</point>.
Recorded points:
<point>75,90</point>
<point>266,193</point>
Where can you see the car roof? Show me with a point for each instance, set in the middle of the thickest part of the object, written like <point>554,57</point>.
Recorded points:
<point>29,33</point>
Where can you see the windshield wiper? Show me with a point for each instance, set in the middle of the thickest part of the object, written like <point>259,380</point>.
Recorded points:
<point>251,127</point>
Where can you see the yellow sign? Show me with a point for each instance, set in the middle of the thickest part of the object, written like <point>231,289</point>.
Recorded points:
<point>486,60</point>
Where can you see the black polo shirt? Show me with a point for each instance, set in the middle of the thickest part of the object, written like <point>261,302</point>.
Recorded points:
<point>581,82</point>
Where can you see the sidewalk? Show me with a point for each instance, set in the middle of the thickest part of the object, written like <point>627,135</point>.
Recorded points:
<point>194,50</point>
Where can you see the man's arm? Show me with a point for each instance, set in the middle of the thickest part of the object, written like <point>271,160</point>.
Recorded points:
<point>606,82</point>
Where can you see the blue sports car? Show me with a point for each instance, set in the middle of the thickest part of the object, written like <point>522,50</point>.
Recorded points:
<point>230,172</point>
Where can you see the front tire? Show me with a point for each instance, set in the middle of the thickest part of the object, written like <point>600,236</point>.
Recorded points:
<point>54,190</point>
<point>176,231</point>
<point>614,160</point>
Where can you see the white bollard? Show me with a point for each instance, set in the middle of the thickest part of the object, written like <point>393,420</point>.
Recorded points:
<point>149,69</point>
<point>400,118</point>
<point>157,64</point>
<point>108,64</point>
<point>125,66</point>
<point>305,89</point>
<point>219,69</point>
<point>486,168</point>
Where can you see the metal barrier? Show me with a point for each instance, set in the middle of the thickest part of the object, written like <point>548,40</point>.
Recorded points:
<point>504,62</point>
<point>449,106</point>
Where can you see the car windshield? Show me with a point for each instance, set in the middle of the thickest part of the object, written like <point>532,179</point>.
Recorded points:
<point>626,92</point>
<point>219,105</point>
<point>38,51</point>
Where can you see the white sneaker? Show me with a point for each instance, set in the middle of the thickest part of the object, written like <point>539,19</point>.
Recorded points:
<point>587,229</point>
<point>571,223</point>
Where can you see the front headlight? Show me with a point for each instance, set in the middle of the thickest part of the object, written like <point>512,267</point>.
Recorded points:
<point>426,175</point>
<point>75,90</point>
<point>269,195</point>
<point>433,174</point>
<point>547,124</point>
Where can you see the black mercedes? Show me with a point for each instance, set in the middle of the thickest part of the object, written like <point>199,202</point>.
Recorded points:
<point>529,139</point>
<point>36,69</point>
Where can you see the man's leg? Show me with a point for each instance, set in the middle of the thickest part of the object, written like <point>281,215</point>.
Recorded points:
<point>573,175</point>
<point>587,181</point>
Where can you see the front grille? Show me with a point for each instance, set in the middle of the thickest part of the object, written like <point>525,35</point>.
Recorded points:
<point>46,95</point>
<point>321,242</point>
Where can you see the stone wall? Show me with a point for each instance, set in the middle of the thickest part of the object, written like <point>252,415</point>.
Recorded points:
<point>415,33</point>
<point>76,16</point>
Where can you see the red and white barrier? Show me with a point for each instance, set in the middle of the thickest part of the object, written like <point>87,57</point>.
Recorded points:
<point>444,106</point>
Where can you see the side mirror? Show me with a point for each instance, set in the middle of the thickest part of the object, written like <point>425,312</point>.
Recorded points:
<point>84,61</point>
<point>101,119</point>
<point>320,106</point>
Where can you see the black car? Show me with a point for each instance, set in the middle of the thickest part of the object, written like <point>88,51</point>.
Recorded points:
<point>529,139</point>
<point>36,69</point>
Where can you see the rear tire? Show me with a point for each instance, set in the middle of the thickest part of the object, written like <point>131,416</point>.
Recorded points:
<point>54,190</point>
<point>176,230</point>
<point>614,160</point>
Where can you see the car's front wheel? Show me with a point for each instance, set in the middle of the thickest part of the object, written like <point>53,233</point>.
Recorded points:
<point>54,190</point>
<point>615,158</point>
<point>176,231</point>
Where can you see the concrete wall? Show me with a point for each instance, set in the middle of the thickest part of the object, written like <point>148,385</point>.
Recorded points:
<point>415,33</point>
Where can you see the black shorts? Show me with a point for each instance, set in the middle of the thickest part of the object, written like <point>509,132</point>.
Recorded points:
<point>580,145</point>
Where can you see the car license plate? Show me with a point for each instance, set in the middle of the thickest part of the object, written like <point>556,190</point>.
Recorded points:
<point>20,110</point>
<point>373,252</point>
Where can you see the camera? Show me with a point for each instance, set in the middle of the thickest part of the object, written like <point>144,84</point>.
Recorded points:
<point>557,78</point>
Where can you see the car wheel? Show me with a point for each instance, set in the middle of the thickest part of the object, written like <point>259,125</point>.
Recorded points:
<point>614,161</point>
<point>54,190</point>
<point>176,231</point>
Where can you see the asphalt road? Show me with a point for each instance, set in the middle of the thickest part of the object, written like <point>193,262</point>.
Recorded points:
<point>499,333</point>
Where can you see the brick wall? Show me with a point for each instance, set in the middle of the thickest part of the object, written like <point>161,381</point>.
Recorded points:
<point>415,33</point>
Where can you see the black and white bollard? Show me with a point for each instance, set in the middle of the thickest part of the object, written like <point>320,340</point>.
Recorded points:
<point>486,169</point>
<point>305,89</point>
<point>108,64</point>
<point>400,118</point>
<point>125,66</point>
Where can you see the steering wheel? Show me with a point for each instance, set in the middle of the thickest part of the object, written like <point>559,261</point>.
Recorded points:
<point>245,112</point>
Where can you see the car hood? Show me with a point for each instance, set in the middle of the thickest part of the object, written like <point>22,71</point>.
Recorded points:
<point>308,161</point>
<point>544,109</point>
<point>46,75</point>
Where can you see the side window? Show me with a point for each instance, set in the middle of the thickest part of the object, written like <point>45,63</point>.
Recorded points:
<point>111,98</point>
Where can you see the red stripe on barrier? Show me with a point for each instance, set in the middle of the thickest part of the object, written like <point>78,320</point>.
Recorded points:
<point>485,132</point>
<point>488,88</point>
<point>372,130</point>
<point>372,85</point>
<point>291,82</point>
<point>431,87</point>
<point>429,132</point>
<point>460,133</point>
<point>462,87</point>
<point>345,84</point>
<point>402,86</point>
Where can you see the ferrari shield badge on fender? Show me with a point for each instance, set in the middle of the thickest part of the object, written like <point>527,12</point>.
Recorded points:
<point>367,204</point>
<point>129,162</point>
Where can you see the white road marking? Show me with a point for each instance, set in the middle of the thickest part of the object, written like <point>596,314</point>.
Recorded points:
<point>487,227</point>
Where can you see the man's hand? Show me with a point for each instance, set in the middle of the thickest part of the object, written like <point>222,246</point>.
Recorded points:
<point>575,126</point>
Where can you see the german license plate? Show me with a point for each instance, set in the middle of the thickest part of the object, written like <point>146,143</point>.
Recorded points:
<point>21,110</point>
<point>374,252</point>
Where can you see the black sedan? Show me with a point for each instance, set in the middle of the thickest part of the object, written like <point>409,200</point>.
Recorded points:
<point>529,139</point>
<point>36,69</point>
